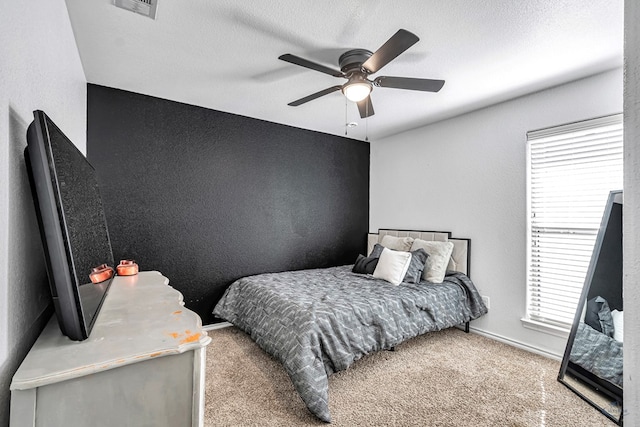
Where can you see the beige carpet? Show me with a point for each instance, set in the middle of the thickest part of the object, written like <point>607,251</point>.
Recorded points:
<point>445,378</point>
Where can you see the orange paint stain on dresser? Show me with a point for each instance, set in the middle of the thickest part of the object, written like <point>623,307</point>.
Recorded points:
<point>191,337</point>
<point>177,312</point>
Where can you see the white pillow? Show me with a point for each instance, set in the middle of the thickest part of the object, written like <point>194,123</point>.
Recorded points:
<point>392,266</point>
<point>618,325</point>
<point>397,243</point>
<point>439,255</point>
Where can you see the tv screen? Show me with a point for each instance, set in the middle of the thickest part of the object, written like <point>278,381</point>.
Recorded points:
<point>72,224</point>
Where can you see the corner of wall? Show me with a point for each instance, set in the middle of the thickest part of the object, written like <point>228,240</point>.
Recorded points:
<point>41,70</point>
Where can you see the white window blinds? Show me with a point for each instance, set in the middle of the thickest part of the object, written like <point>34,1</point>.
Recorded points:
<point>571,170</point>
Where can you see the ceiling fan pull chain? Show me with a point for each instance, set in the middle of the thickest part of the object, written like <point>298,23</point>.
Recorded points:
<point>366,126</point>
<point>346,122</point>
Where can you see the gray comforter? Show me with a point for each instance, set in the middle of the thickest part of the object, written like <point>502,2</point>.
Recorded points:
<point>598,354</point>
<point>317,322</point>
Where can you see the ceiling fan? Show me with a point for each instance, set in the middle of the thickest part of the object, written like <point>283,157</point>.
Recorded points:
<point>357,64</point>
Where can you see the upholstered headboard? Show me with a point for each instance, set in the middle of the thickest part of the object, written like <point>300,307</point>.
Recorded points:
<point>460,259</point>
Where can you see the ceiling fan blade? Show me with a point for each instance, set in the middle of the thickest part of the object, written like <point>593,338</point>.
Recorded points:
<point>311,65</point>
<point>365,107</point>
<point>398,43</point>
<point>425,85</point>
<point>314,96</point>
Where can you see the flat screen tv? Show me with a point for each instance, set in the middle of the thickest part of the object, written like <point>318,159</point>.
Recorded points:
<point>72,225</point>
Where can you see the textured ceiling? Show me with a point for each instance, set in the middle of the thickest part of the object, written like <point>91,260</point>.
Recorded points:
<point>222,54</point>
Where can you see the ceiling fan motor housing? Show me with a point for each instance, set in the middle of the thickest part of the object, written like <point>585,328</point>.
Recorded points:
<point>352,60</point>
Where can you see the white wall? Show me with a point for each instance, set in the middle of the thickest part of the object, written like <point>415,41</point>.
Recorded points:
<point>467,175</point>
<point>631,225</point>
<point>40,69</point>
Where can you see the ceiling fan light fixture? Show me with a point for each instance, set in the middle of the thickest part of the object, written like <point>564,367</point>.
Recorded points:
<point>357,89</point>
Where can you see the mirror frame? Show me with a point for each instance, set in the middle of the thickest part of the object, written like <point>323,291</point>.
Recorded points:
<point>568,368</point>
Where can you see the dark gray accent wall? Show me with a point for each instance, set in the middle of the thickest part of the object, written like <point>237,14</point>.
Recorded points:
<point>207,197</point>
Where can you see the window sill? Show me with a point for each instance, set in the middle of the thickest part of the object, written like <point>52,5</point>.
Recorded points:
<point>543,327</point>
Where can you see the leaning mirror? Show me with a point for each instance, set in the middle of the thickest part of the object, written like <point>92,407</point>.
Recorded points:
<point>592,362</point>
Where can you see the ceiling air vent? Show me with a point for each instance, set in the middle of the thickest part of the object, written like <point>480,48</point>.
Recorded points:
<point>142,7</point>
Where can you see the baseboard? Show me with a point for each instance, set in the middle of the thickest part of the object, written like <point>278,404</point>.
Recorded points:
<point>517,344</point>
<point>214,326</point>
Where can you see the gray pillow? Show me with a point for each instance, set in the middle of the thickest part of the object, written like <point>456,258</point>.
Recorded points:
<point>598,316</point>
<point>606,320</point>
<point>591,317</point>
<point>365,265</point>
<point>418,261</point>
<point>376,251</point>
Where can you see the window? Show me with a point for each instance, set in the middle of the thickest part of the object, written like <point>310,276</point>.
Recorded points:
<point>571,170</point>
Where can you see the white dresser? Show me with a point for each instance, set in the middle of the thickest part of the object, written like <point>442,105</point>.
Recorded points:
<point>142,365</point>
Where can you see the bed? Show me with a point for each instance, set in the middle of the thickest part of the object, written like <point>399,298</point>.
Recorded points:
<point>317,322</point>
